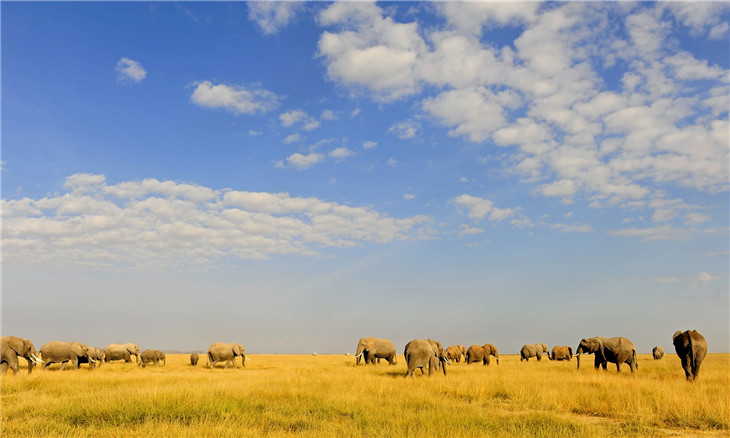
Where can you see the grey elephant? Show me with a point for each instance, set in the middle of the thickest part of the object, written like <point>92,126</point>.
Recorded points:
<point>477,353</point>
<point>194,359</point>
<point>65,353</point>
<point>222,352</point>
<point>12,347</point>
<point>421,354</point>
<point>491,351</point>
<point>561,352</point>
<point>94,353</point>
<point>152,356</point>
<point>121,352</point>
<point>453,352</point>
<point>533,350</point>
<point>691,347</point>
<point>372,349</point>
<point>657,352</point>
<point>615,350</point>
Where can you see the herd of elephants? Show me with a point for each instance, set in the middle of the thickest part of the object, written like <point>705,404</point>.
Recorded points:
<point>690,345</point>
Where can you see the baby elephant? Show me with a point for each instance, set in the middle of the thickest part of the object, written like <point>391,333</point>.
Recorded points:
<point>151,356</point>
<point>194,359</point>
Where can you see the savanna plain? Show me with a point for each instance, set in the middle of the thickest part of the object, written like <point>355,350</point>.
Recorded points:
<point>327,395</point>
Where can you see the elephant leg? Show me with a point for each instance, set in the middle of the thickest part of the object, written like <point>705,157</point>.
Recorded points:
<point>696,369</point>
<point>618,367</point>
<point>63,365</point>
<point>686,365</point>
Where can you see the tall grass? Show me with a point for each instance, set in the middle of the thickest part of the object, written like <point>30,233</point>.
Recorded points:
<point>282,395</point>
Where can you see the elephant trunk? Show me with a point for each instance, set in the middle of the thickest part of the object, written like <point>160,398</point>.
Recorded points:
<point>577,359</point>
<point>443,364</point>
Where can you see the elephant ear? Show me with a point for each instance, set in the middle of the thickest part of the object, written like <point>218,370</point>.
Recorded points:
<point>677,333</point>
<point>77,349</point>
<point>17,345</point>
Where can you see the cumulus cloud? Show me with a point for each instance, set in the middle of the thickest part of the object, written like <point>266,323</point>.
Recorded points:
<point>304,162</point>
<point>293,117</point>
<point>542,96</point>
<point>369,144</point>
<point>664,232</point>
<point>158,224</point>
<point>340,153</point>
<point>236,99</point>
<point>479,208</point>
<point>292,138</point>
<point>405,130</point>
<point>130,71</point>
<point>272,16</point>
<point>371,51</point>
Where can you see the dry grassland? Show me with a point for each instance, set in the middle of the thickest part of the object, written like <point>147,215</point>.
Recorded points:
<point>326,395</point>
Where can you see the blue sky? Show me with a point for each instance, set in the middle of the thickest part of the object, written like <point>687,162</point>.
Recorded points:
<point>295,176</point>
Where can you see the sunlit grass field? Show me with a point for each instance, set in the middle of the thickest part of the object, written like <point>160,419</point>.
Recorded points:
<point>327,395</point>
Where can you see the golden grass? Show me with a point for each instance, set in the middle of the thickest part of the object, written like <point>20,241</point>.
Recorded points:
<point>326,395</point>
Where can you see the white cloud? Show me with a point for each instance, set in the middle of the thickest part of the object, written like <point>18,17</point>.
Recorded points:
<point>576,228</point>
<point>476,112</point>
<point>234,98</point>
<point>304,162</point>
<point>292,138</point>
<point>664,232</point>
<point>478,208</point>
<point>409,196</point>
<point>329,115</point>
<point>543,96</point>
<point>253,133</point>
<point>392,162</point>
<point>466,230</point>
<point>129,70</point>
<point>340,153</point>
<point>372,52</point>
<point>292,117</point>
<point>154,224</point>
<point>470,17</point>
<point>355,113</point>
<point>273,16</point>
<point>405,130</point>
<point>369,144</point>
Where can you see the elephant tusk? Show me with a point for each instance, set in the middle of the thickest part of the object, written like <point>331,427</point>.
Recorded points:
<point>92,360</point>
<point>246,357</point>
<point>36,360</point>
<point>360,354</point>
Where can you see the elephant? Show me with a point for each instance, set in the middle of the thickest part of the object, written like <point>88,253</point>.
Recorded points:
<point>221,352</point>
<point>194,359</point>
<point>561,352</point>
<point>94,353</point>
<point>691,347</point>
<point>477,353</point>
<point>532,350</point>
<point>454,353</point>
<point>372,349</point>
<point>65,352</point>
<point>12,347</point>
<point>491,350</point>
<point>420,353</point>
<point>152,356</point>
<point>657,352</point>
<point>122,351</point>
<point>615,350</point>
<point>462,349</point>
